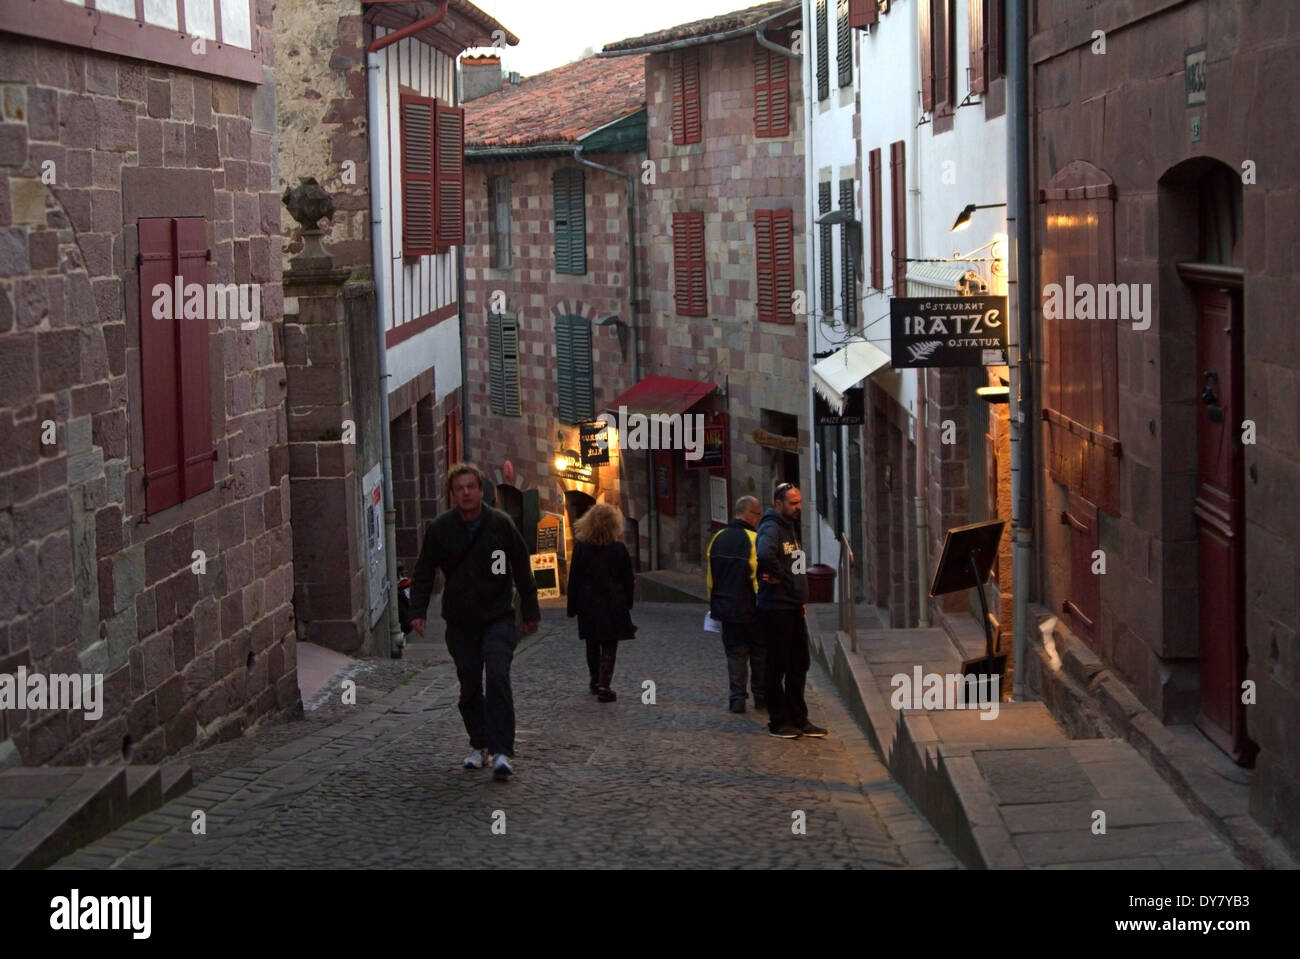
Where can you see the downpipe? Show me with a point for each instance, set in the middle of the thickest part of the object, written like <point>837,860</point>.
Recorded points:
<point>1020,344</point>
<point>634,335</point>
<point>396,641</point>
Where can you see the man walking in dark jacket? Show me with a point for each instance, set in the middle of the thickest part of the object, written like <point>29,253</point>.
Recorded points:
<point>480,553</point>
<point>782,592</point>
<point>731,574</point>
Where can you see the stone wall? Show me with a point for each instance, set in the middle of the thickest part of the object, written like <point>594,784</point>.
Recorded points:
<point>729,175</point>
<point>321,89</point>
<point>1127,113</point>
<point>88,582</point>
<point>536,295</point>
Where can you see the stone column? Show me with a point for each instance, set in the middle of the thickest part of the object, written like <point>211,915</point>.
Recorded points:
<point>329,576</point>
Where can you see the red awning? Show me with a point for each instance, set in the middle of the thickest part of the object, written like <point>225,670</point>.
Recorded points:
<point>661,394</point>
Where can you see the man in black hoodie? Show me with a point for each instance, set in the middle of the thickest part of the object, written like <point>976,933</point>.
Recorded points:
<point>782,592</point>
<point>484,560</point>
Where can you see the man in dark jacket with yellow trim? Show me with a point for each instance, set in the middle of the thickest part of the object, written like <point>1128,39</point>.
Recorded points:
<point>484,560</point>
<point>731,574</point>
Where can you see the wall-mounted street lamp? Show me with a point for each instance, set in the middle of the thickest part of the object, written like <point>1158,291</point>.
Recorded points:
<point>963,218</point>
<point>852,232</point>
<point>566,460</point>
<point>995,394</point>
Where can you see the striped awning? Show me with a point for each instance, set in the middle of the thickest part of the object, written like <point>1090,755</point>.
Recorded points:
<point>934,279</point>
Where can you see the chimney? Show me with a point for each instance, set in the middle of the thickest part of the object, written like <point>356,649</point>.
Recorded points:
<point>514,78</point>
<point>479,76</point>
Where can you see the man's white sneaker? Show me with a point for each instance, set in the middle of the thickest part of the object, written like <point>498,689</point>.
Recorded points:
<point>501,767</point>
<point>475,760</point>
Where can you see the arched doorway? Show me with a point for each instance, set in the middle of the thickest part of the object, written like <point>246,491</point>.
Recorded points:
<point>576,504</point>
<point>1203,327</point>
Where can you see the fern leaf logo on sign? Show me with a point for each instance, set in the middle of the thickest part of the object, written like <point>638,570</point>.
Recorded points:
<point>920,351</point>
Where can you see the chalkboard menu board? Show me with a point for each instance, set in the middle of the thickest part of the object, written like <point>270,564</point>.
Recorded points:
<point>548,535</point>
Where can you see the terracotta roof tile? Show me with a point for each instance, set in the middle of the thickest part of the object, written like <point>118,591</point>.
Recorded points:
<point>557,106</point>
<point>704,28</point>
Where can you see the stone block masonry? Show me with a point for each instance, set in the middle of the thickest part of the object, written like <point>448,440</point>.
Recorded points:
<point>193,646</point>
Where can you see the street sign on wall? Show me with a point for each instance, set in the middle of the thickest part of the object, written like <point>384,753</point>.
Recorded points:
<point>853,414</point>
<point>594,440</point>
<point>949,331</point>
<point>713,454</point>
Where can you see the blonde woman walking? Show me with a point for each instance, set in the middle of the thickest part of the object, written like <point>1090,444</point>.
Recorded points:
<point>600,593</point>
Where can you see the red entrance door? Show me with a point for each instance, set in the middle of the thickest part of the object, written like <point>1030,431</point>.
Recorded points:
<point>1220,522</point>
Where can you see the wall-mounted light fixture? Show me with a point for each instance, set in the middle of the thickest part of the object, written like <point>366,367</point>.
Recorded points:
<point>852,232</point>
<point>963,218</point>
<point>995,394</point>
<point>568,463</point>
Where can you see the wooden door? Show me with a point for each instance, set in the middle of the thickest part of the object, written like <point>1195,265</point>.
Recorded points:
<point>1220,521</point>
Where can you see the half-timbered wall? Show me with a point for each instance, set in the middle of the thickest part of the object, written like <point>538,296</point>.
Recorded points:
<point>417,296</point>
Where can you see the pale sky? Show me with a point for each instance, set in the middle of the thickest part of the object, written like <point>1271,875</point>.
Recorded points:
<point>554,32</point>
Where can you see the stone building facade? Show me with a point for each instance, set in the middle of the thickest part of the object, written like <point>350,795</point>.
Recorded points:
<point>724,137</point>
<point>1170,445</point>
<point>355,85</point>
<point>522,178</point>
<point>144,528</point>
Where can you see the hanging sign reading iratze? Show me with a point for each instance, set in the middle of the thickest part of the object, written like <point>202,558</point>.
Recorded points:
<point>960,331</point>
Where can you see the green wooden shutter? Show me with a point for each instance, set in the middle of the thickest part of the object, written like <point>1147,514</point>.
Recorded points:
<point>569,194</point>
<point>510,365</point>
<point>848,262</point>
<point>503,364</point>
<point>573,369</point>
<point>824,239</point>
<point>564,368</point>
<point>844,44</point>
<point>496,367</point>
<point>823,52</point>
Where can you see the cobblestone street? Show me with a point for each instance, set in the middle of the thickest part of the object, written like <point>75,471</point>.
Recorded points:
<point>680,783</point>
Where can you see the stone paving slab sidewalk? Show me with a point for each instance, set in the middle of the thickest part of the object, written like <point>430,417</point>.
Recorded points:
<point>1014,791</point>
<point>680,783</point>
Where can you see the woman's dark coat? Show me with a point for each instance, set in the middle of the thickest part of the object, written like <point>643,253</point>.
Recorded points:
<point>600,591</point>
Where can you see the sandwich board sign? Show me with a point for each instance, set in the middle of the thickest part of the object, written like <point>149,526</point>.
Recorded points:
<point>545,562</point>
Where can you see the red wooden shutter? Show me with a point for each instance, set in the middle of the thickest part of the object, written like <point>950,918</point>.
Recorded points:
<point>159,374</point>
<point>195,365</point>
<point>783,264</point>
<point>686,97</point>
<point>941,28</point>
<point>771,93</point>
<point>450,207</point>
<point>898,213</point>
<point>978,44</point>
<point>1080,392</point>
<point>418,186</point>
<point>763,258</point>
<point>927,56</point>
<point>774,258</point>
<point>1084,602</point>
<point>862,13</point>
<point>688,264</point>
<point>877,254</point>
